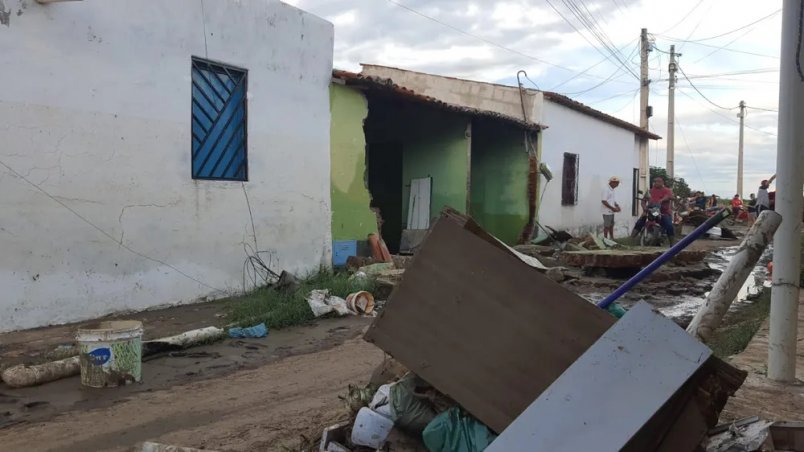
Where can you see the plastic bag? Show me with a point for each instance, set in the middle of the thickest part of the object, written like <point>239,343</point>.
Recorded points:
<point>454,431</point>
<point>409,411</point>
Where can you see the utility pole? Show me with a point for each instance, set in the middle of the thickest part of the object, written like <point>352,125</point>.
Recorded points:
<point>740,150</point>
<point>789,203</point>
<point>644,109</point>
<point>671,115</point>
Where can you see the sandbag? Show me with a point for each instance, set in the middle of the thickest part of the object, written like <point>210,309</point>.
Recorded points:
<point>455,431</point>
<point>410,412</point>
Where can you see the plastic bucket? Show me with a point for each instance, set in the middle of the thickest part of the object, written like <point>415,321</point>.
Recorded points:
<point>360,302</point>
<point>110,353</point>
<point>371,429</point>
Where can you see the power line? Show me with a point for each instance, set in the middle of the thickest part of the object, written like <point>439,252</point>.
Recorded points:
<point>743,72</point>
<point>630,93</point>
<point>689,151</point>
<point>685,16</point>
<point>737,29</point>
<point>588,25</point>
<point>593,26</point>
<point>699,91</point>
<point>762,109</point>
<point>102,231</point>
<point>745,52</point>
<point>480,38</point>
<point>587,69</point>
<point>724,46</point>
<point>727,118</point>
<point>609,78</point>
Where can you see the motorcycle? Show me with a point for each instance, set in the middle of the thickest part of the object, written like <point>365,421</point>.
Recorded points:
<point>653,234</point>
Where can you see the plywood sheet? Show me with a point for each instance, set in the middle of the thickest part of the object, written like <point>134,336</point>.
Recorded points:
<point>632,371</point>
<point>481,326</point>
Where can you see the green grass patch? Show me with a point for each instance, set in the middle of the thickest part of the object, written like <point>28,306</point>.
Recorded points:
<point>282,309</point>
<point>740,326</point>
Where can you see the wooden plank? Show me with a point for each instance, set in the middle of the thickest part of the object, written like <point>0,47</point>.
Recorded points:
<point>632,371</point>
<point>481,326</point>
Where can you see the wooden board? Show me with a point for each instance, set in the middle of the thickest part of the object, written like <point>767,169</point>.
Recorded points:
<point>419,203</point>
<point>632,370</point>
<point>481,326</point>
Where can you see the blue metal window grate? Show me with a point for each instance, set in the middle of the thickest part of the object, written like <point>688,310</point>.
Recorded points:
<point>218,121</point>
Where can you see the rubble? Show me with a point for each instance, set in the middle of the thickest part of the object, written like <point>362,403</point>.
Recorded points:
<point>627,258</point>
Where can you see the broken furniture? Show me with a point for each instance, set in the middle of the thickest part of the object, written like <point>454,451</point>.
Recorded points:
<point>493,333</point>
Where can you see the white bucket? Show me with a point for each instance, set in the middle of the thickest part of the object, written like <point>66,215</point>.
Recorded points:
<point>110,353</point>
<point>371,429</point>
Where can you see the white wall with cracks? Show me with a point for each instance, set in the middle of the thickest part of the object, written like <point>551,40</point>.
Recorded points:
<point>95,126</point>
<point>604,150</point>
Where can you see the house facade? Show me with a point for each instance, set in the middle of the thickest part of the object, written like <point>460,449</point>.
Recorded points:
<point>150,148</point>
<point>399,157</point>
<point>583,147</point>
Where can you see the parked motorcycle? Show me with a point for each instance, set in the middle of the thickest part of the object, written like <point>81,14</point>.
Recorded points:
<point>653,234</point>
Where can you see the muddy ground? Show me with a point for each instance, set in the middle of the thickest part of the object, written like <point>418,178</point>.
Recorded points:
<point>245,395</point>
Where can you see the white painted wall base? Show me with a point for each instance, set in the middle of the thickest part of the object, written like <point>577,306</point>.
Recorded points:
<point>95,111</point>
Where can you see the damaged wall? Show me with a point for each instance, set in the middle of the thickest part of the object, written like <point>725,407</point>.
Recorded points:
<point>604,150</point>
<point>499,198</point>
<point>96,111</point>
<point>434,144</point>
<point>352,218</point>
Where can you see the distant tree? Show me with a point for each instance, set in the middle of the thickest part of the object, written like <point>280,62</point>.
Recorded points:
<point>678,184</point>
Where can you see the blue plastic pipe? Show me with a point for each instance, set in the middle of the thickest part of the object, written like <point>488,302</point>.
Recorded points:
<point>661,260</point>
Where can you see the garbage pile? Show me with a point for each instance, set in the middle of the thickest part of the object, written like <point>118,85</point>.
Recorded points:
<point>499,357</point>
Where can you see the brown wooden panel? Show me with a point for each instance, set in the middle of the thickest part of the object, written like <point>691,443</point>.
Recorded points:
<point>481,326</point>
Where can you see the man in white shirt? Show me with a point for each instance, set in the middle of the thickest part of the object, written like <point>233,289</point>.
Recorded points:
<point>763,198</point>
<point>609,207</point>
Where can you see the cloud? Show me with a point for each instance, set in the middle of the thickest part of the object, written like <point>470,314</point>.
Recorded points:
<point>381,32</point>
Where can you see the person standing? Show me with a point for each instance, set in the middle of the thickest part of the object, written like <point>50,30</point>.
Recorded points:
<point>752,207</point>
<point>610,206</point>
<point>763,199</point>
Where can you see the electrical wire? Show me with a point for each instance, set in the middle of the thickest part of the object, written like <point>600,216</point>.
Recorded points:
<point>689,151</point>
<point>762,109</point>
<point>608,79</point>
<point>699,91</point>
<point>685,16</point>
<point>554,88</point>
<point>724,46</point>
<point>480,38</point>
<point>736,29</point>
<point>254,266</point>
<point>728,118</point>
<point>798,45</point>
<point>726,49</point>
<point>103,232</point>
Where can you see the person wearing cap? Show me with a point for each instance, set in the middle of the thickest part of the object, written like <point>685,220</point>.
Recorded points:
<point>609,206</point>
<point>763,199</point>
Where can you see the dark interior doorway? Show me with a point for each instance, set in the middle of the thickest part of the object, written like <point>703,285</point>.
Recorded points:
<point>385,186</point>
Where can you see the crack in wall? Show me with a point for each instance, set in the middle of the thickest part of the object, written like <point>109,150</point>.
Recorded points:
<point>130,206</point>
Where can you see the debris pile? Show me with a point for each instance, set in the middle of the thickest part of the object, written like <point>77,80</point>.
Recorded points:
<point>522,357</point>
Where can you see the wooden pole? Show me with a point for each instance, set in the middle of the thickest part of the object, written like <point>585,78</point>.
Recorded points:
<point>708,318</point>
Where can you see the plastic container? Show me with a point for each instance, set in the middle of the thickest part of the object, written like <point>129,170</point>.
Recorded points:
<point>360,302</point>
<point>371,429</point>
<point>110,353</point>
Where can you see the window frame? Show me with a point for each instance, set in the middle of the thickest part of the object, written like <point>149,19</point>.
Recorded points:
<point>214,64</point>
<point>570,192</point>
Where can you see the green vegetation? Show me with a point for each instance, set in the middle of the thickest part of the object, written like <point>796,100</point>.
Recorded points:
<point>282,309</point>
<point>678,184</point>
<point>739,327</point>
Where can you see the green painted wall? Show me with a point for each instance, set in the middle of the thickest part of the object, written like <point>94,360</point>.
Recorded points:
<point>499,198</point>
<point>433,144</point>
<point>441,151</point>
<point>352,219</point>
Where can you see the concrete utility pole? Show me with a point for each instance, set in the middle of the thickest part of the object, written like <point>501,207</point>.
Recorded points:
<point>671,115</point>
<point>644,89</point>
<point>789,204</point>
<point>740,150</point>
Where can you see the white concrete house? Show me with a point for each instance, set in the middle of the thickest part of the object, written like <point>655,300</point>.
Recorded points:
<point>584,147</point>
<point>135,134</point>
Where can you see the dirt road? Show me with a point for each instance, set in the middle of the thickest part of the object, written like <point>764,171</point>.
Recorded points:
<point>258,409</point>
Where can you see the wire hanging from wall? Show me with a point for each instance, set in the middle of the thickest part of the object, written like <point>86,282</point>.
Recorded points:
<point>255,269</point>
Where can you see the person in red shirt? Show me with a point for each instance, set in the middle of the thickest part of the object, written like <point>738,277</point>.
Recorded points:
<point>736,206</point>
<point>660,195</point>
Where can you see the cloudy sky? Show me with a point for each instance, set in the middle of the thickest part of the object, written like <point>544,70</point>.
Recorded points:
<point>730,52</point>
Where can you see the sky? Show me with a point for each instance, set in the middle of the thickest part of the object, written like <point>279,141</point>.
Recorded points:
<point>729,52</point>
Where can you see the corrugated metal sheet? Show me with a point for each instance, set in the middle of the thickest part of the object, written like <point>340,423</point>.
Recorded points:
<point>388,87</point>
<point>481,326</point>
